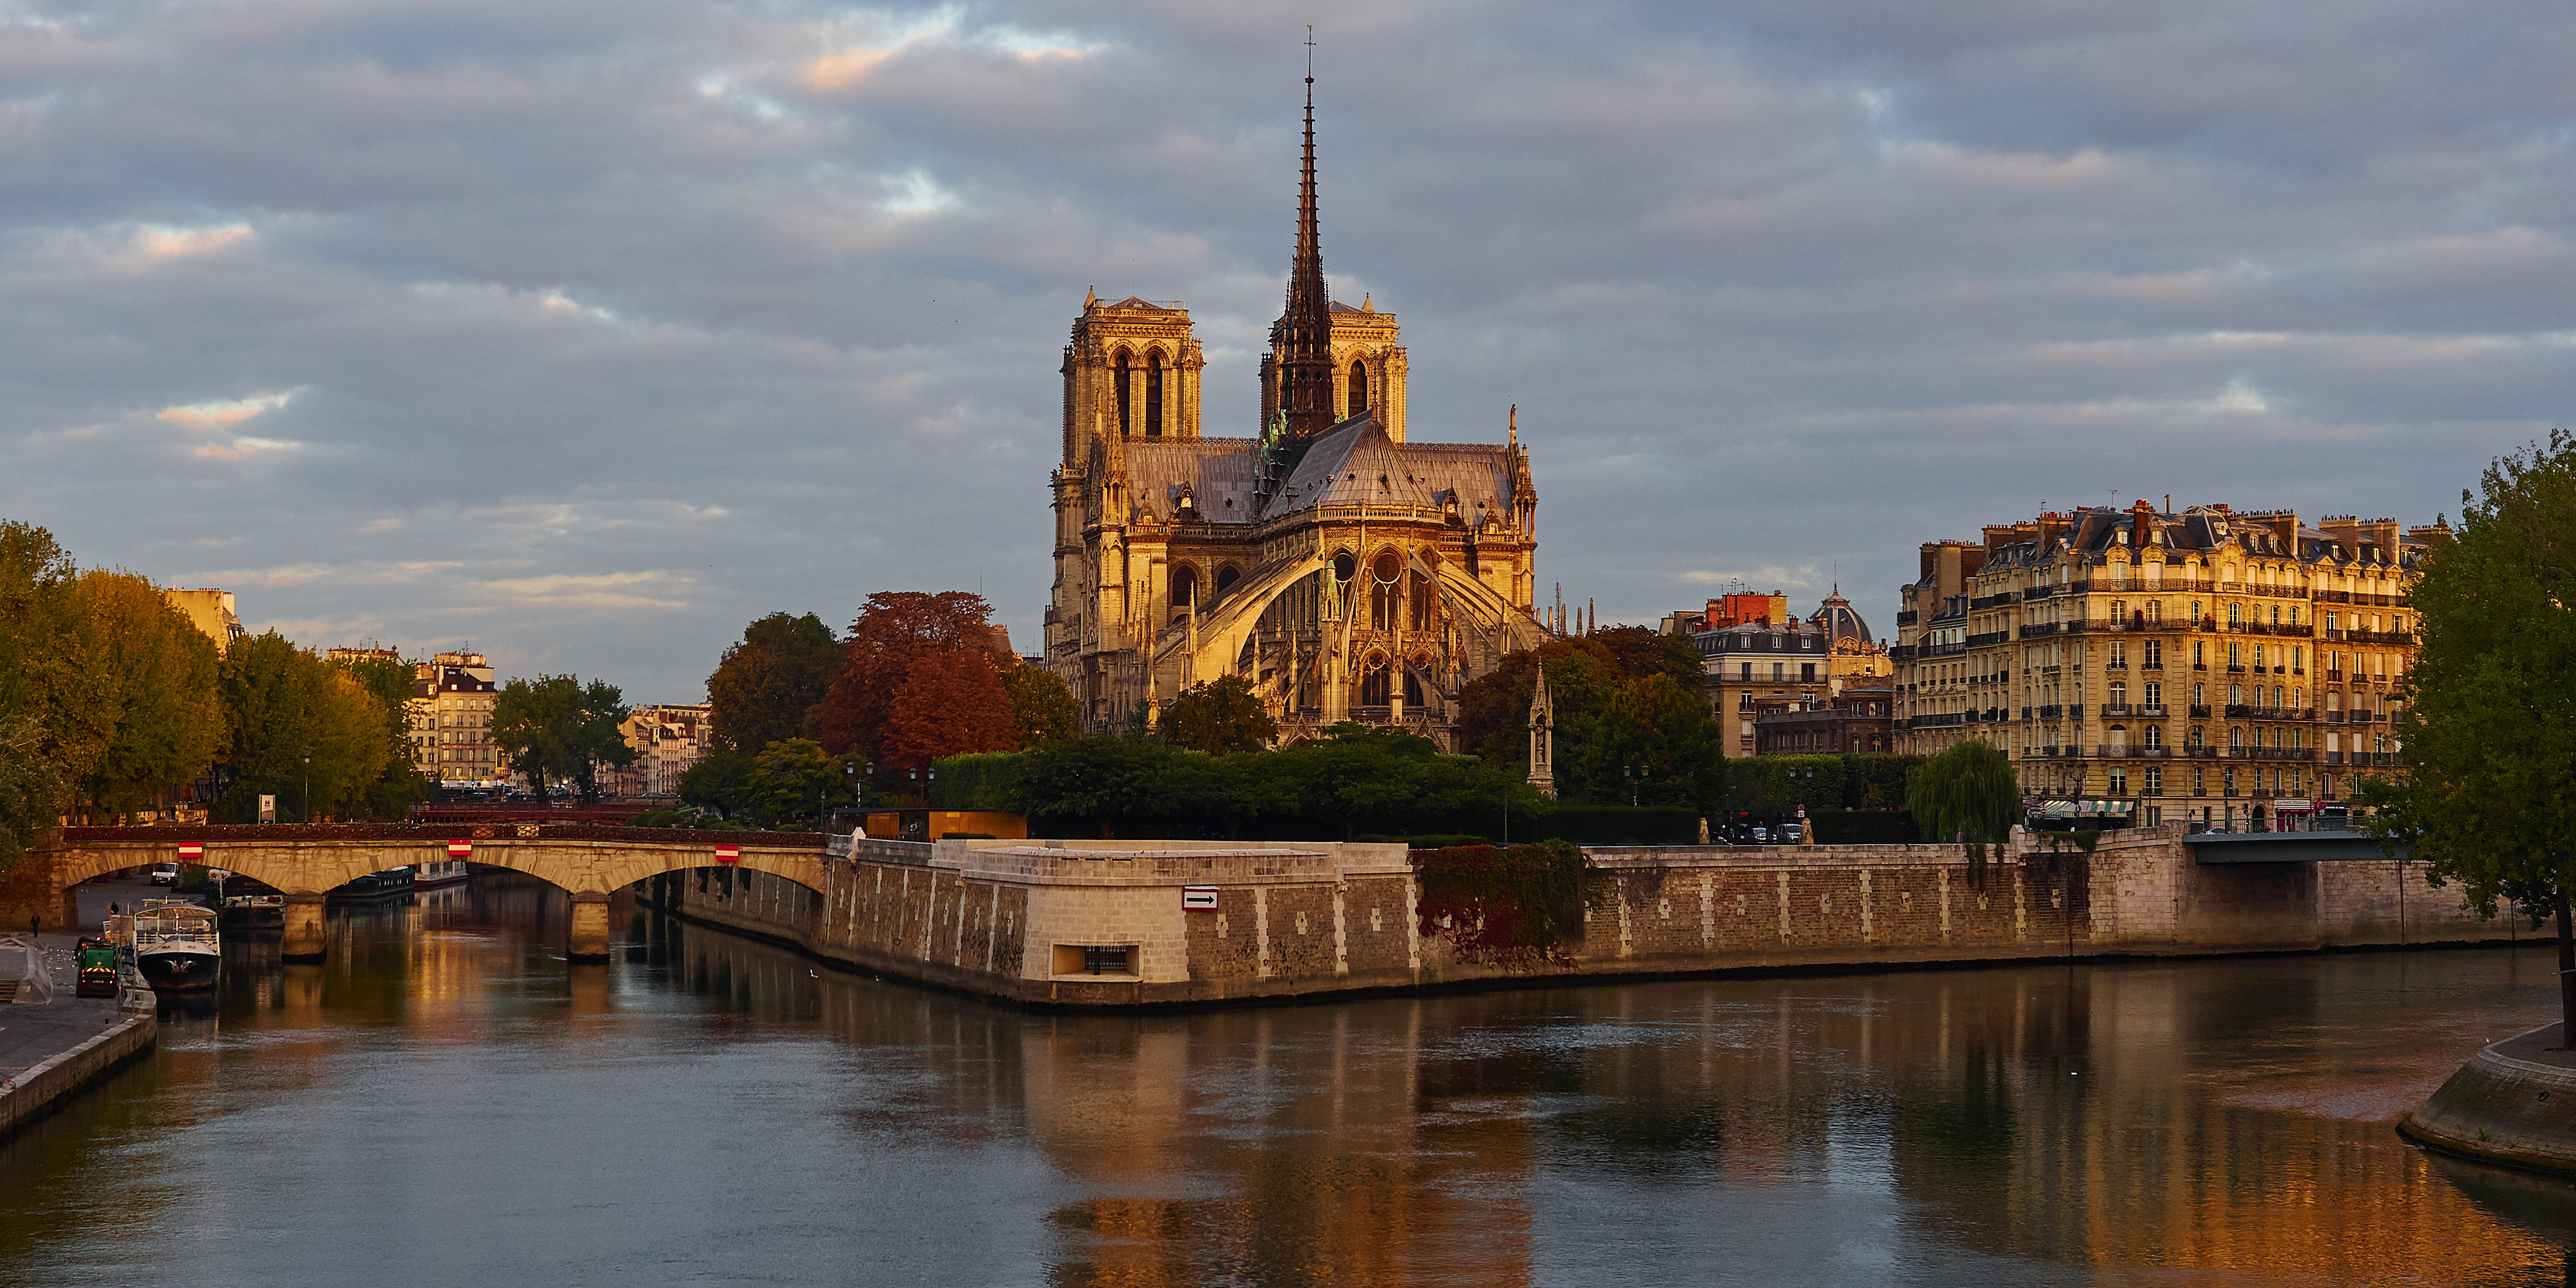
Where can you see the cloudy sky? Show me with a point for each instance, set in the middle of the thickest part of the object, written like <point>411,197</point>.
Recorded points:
<point>582,333</point>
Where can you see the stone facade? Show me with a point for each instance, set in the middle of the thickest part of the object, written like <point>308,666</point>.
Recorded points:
<point>1759,656</point>
<point>1011,919</point>
<point>2200,665</point>
<point>451,722</point>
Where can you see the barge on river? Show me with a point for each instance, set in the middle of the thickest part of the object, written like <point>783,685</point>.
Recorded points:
<point>177,946</point>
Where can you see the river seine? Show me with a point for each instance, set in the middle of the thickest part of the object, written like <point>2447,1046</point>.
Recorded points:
<point>446,1101</point>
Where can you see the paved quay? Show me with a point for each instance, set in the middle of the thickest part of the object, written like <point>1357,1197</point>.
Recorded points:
<point>50,1050</point>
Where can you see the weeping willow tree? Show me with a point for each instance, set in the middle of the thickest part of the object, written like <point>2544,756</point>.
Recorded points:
<point>1966,794</point>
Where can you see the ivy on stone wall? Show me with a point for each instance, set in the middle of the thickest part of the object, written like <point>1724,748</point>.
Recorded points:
<point>1513,907</point>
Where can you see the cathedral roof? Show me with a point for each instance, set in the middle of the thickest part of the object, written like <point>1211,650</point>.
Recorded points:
<point>1356,464</point>
<point>1217,471</point>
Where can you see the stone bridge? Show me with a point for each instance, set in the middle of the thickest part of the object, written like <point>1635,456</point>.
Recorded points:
<point>589,861</point>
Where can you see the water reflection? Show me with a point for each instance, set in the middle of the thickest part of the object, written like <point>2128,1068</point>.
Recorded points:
<point>707,1107</point>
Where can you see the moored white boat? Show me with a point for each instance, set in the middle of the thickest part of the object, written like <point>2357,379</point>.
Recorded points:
<point>177,946</point>
<point>437,872</point>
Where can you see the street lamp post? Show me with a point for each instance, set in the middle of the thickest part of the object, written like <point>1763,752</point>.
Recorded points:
<point>304,797</point>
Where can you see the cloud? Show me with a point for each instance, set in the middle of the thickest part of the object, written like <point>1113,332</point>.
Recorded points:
<point>542,324</point>
<point>222,413</point>
<point>239,449</point>
<point>654,589</point>
<point>176,243</point>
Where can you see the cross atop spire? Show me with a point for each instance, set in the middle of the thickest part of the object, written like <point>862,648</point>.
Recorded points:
<point>1306,369</point>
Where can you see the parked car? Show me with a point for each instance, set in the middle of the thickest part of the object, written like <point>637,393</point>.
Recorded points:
<point>1790,833</point>
<point>165,874</point>
<point>1761,835</point>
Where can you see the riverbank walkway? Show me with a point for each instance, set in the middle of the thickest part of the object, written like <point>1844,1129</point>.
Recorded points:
<point>50,1050</point>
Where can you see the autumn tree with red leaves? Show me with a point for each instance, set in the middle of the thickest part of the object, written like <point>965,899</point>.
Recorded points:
<point>896,632</point>
<point>951,704</point>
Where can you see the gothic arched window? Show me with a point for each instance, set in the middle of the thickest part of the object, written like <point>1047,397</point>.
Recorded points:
<point>1154,394</point>
<point>1386,594</point>
<point>1377,686</point>
<point>1359,389</point>
<point>1185,590</point>
<point>1126,394</point>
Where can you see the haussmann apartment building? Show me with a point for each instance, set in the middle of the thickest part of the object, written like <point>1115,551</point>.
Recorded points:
<point>2199,666</point>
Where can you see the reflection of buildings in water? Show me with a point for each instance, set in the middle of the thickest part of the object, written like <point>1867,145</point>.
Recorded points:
<point>2086,1123</point>
<point>1339,1149</point>
<point>2073,1118</point>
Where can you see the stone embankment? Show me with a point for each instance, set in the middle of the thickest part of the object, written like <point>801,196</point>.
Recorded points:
<point>2513,1103</point>
<point>1128,923</point>
<point>54,1044</point>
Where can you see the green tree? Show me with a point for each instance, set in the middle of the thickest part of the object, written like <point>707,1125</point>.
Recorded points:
<point>36,590</point>
<point>1040,705</point>
<point>302,730</point>
<point>556,728</point>
<point>1656,725</point>
<point>2489,729</point>
<point>722,781</point>
<point>1966,794</point>
<point>1636,652</point>
<point>149,678</point>
<point>390,794</point>
<point>1493,708</point>
<point>1113,783</point>
<point>793,779</point>
<point>770,685</point>
<point>1219,716</point>
<point>30,786</point>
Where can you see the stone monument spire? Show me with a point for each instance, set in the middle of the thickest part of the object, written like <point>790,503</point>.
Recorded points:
<point>1306,369</point>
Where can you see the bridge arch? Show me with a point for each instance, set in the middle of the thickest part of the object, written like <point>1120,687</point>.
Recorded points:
<point>308,863</point>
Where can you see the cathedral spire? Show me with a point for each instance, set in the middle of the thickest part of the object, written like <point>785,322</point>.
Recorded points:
<point>1306,369</point>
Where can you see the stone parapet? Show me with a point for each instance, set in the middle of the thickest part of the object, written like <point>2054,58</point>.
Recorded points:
<point>2513,1103</point>
<point>42,1089</point>
<point>1080,923</point>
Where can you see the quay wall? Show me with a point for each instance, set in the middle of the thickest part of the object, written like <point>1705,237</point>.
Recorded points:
<point>1011,918</point>
<point>44,1087</point>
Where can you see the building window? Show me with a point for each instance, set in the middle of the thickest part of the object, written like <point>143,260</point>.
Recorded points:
<point>2155,653</point>
<point>1807,672</point>
<point>2155,780</point>
<point>2119,780</point>
<point>2155,693</point>
<point>1776,670</point>
<point>1359,389</point>
<point>1154,394</point>
<point>1748,674</point>
<point>2155,737</point>
<point>1126,394</point>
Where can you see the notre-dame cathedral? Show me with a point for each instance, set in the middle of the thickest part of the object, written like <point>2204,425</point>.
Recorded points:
<point>1348,573</point>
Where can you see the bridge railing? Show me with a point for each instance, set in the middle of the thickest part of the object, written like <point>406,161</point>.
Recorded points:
<point>869,849</point>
